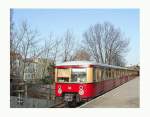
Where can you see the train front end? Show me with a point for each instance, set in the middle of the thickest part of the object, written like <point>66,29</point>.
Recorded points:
<point>74,82</point>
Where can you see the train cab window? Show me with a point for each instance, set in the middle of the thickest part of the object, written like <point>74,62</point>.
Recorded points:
<point>78,75</point>
<point>63,75</point>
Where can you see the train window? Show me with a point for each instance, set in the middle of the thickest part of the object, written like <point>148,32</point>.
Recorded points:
<point>110,74</point>
<point>63,79</point>
<point>117,73</point>
<point>98,74</point>
<point>78,75</point>
<point>114,74</point>
<point>98,70</point>
<point>107,74</point>
<point>103,76</point>
<point>63,73</point>
<point>95,75</point>
<point>121,73</point>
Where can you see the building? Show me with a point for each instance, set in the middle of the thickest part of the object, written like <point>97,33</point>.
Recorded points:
<point>17,85</point>
<point>36,69</point>
<point>23,71</point>
<point>15,65</point>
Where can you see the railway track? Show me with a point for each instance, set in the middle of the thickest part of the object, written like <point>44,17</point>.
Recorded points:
<point>63,105</point>
<point>60,105</point>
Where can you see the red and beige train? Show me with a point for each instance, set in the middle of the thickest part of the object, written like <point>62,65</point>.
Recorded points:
<point>78,81</point>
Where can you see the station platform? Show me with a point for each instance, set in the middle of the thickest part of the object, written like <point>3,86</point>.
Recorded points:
<point>124,96</point>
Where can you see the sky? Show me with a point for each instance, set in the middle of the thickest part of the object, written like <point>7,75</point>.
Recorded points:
<point>79,20</point>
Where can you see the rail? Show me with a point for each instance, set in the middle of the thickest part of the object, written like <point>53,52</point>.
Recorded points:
<point>60,105</point>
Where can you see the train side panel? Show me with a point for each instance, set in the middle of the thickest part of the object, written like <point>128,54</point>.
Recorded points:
<point>90,90</point>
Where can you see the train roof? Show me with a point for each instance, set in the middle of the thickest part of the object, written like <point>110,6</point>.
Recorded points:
<point>87,63</point>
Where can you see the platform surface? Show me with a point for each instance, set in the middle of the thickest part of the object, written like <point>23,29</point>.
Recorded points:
<point>124,96</point>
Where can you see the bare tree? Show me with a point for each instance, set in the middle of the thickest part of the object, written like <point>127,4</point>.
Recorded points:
<point>11,29</point>
<point>50,51</point>
<point>15,56</point>
<point>106,43</point>
<point>12,56</point>
<point>67,46</point>
<point>44,59</point>
<point>55,51</point>
<point>28,44</point>
<point>81,54</point>
<point>119,61</point>
<point>24,42</point>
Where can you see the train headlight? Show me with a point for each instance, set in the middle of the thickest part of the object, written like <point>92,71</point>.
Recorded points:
<point>81,91</point>
<point>59,90</point>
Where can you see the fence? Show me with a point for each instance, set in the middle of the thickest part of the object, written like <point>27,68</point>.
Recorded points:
<point>32,102</point>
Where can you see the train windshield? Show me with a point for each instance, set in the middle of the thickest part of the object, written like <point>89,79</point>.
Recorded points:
<point>63,75</point>
<point>73,75</point>
<point>78,75</point>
